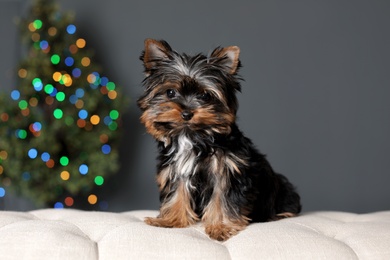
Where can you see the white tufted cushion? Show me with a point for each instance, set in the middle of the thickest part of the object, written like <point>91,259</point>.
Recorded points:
<point>73,234</point>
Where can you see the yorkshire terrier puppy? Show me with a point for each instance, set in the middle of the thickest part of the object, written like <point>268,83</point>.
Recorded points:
<point>208,170</point>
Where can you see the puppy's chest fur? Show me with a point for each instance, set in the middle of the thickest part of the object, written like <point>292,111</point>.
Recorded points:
<point>183,160</point>
<point>200,166</point>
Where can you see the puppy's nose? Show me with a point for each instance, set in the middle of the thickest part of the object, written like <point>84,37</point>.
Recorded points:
<point>187,115</point>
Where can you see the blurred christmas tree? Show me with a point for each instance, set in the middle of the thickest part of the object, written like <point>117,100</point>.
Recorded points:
<point>59,128</point>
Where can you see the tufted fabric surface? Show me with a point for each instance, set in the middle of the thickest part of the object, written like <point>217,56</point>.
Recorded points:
<point>74,234</point>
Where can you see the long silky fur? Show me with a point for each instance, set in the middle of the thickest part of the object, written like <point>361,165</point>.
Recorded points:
<point>208,170</point>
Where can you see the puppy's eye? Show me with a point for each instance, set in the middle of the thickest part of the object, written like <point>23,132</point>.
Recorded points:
<point>205,96</point>
<point>171,93</point>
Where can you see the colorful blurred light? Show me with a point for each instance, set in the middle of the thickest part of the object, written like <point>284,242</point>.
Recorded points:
<point>21,134</point>
<point>52,31</point>
<point>85,61</point>
<point>99,180</point>
<point>37,24</point>
<point>110,85</point>
<point>113,126</point>
<point>83,114</point>
<point>2,192</point>
<point>83,169</point>
<point>64,161</point>
<point>4,117</point>
<point>32,153</point>
<point>104,81</point>
<point>81,43</point>
<point>58,205</point>
<point>37,83</point>
<point>69,201</point>
<point>15,94</point>
<point>76,72</point>
<point>45,156</point>
<point>55,59</point>
<point>3,155</point>
<point>57,113</point>
<point>114,114</point>
<point>57,76</point>
<point>60,96</point>
<point>69,61</point>
<point>22,73</point>
<point>49,89</point>
<point>106,149</point>
<point>65,175</point>
<point>71,28</point>
<point>44,45</point>
<point>95,119</point>
<point>92,199</point>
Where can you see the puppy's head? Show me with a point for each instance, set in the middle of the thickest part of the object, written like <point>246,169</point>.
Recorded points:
<point>188,93</point>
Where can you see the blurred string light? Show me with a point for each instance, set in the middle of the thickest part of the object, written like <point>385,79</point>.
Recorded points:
<point>54,95</point>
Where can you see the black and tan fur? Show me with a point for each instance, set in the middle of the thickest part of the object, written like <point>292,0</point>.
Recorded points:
<point>208,170</point>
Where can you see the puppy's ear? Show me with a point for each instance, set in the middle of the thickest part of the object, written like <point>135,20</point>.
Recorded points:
<point>228,58</point>
<point>155,52</point>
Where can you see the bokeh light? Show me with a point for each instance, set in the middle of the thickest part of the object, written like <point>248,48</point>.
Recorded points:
<point>23,104</point>
<point>55,59</point>
<point>15,94</point>
<point>32,153</point>
<point>83,114</point>
<point>3,155</point>
<point>52,31</point>
<point>106,148</point>
<point>37,24</point>
<point>64,161</point>
<point>83,169</point>
<point>33,101</point>
<point>44,45</point>
<point>22,73</point>
<point>21,134</point>
<point>37,83</point>
<point>59,82</point>
<point>76,72</point>
<point>85,61</point>
<point>95,119</point>
<point>80,93</point>
<point>45,156</point>
<point>50,163</point>
<point>99,180</point>
<point>103,138</point>
<point>112,94</point>
<point>65,175</point>
<point>58,205</point>
<point>71,28</point>
<point>80,43</point>
<point>2,192</point>
<point>60,96</point>
<point>110,86</point>
<point>4,117</point>
<point>114,114</point>
<point>69,201</point>
<point>69,61</point>
<point>57,113</point>
<point>92,199</point>
<point>49,89</point>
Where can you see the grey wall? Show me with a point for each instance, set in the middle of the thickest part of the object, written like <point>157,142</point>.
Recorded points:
<point>315,97</point>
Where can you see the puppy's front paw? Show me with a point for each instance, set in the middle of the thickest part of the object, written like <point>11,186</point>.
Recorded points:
<point>168,223</point>
<point>157,222</point>
<point>222,232</point>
